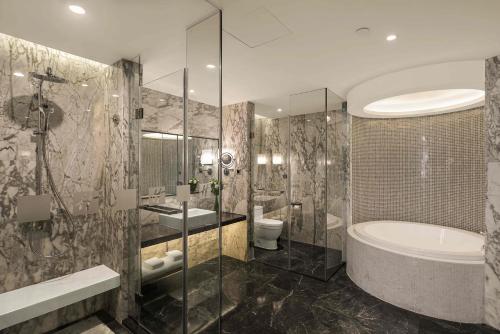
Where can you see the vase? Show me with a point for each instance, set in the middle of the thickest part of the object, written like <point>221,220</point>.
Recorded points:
<point>192,187</point>
<point>216,204</point>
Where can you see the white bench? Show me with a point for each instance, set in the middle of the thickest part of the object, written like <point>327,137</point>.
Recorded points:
<point>34,300</point>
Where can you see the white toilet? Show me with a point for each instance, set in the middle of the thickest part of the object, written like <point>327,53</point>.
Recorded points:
<point>266,231</point>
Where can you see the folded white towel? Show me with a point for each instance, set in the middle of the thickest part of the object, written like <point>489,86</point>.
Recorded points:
<point>175,255</point>
<point>153,263</point>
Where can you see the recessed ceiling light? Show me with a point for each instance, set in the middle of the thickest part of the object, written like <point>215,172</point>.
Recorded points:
<point>115,95</point>
<point>162,100</point>
<point>85,84</point>
<point>391,37</point>
<point>210,66</point>
<point>191,91</point>
<point>76,9</point>
<point>88,109</point>
<point>18,74</point>
<point>279,110</point>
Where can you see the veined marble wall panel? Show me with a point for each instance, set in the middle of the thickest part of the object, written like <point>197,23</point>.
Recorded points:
<point>271,138</point>
<point>122,172</point>
<point>308,143</point>
<point>164,112</point>
<point>236,129</point>
<point>492,122</point>
<point>77,155</point>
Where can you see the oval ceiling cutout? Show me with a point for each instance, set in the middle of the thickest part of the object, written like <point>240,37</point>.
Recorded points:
<point>428,102</point>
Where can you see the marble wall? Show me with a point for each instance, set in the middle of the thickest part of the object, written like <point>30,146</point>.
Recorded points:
<point>164,112</point>
<point>426,169</point>
<point>314,142</point>
<point>308,144</point>
<point>82,145</point>
<point>236,138</point>
<point>492,125</point>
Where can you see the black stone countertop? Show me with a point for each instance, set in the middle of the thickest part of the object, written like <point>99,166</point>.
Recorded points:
<point>153,234</point>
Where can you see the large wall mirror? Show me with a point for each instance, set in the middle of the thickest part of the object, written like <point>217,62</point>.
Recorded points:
<point>161,162</point>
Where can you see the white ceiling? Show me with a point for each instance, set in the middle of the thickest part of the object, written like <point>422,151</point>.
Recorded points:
<point>272,48</point>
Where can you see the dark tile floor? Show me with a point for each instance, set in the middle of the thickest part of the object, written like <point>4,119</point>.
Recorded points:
<point>273,301</point>
<point>307,259</point>
<point>263,299</point>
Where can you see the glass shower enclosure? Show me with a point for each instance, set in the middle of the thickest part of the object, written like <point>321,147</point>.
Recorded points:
<point>302,157</point>
<point>180,249</point>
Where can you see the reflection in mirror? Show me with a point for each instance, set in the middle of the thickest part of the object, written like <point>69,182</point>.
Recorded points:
<point>161,155</point>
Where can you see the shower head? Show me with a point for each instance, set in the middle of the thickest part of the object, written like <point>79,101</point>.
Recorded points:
<point>48,76</point>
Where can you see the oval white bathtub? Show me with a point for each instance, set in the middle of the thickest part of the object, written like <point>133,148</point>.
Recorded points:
<point>429,269</point>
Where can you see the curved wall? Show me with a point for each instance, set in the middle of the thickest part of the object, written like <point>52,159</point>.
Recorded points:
<point>428,169</point>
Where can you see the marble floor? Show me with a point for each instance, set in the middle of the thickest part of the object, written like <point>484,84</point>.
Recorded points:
<point>275,301</point>
<point>310,260</point>
<point>99,323</point>
<point>259,298</point>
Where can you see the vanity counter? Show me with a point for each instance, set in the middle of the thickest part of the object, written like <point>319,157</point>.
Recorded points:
<point>153,234</point>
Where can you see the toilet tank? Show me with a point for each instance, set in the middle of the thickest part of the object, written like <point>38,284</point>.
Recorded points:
<point>258,212</point>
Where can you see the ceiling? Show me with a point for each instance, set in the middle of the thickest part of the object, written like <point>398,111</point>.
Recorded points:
<point>271,48</point>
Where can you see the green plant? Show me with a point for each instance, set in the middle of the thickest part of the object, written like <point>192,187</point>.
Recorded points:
<point>193,183</point>
<point>214,186</point>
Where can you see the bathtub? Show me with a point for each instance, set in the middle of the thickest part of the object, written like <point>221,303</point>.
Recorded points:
<point>428,269</point>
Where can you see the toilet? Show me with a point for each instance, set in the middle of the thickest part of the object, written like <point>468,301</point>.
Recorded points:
<point>266,231</point>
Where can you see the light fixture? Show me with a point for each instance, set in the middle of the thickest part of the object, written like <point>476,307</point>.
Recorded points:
<point>279,110</point>
<point>391,37</point>
<point>85,84</point>
<point>434,101</point>
<point>207,157</point>
<point>115,95</point>
<point>261,159</point>
<point>210,66</point>
<point>191,91</point>
<point>18,74</point>
<point>76,9</point>
<point>328,118</point>
<point>162,100</point>
<point>277,159</point>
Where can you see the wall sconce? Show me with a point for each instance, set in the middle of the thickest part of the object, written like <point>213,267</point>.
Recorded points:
<point>277,159</point>
<point>261,159</point>
<point>207,157</point>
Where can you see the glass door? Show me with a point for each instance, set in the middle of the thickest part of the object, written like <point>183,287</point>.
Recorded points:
<point>202,285</point>
<point>161,300</point>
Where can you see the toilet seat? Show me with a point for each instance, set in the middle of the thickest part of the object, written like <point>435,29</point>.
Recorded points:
<point>270,224</point>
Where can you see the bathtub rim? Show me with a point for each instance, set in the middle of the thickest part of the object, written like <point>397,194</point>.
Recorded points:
<point>400,250</point>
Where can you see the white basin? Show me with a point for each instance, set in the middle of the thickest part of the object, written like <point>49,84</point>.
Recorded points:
<point>196,218</point>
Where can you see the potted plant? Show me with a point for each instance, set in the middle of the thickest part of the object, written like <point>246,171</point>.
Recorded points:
<point>193,184</point>
<point>215,189</point>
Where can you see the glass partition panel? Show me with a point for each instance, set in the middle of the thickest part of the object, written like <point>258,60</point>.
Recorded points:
<point>270,183</point>
<point>308,191</point>
<point>203,281</point>
<point>337,171</point>
<point>161,303</point>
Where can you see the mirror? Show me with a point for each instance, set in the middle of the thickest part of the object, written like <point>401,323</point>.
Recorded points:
<point>161,162</point>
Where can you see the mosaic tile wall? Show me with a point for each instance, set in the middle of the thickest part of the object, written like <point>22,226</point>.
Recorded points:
<point>423,169</point>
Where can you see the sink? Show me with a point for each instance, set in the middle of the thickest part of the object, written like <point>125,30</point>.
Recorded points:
<point>196,218</point>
